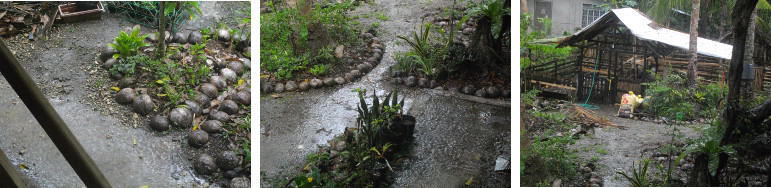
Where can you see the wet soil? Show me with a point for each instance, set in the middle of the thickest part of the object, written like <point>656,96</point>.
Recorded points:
<point>638,141</point>
<point>65,68</point>
<point>457,137</point>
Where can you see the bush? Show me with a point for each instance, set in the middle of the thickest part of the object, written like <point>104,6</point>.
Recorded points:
<point>670,96</point>
<point>128,45</point>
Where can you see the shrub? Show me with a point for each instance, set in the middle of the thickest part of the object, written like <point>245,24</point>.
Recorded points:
<point>128,45</point>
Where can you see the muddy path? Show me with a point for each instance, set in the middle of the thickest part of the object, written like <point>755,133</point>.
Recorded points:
<point>617,149</point>
<point>64,65</point>
<point>457,137</point>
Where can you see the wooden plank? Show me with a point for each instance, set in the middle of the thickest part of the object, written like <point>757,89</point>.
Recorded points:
<point>552,85</point>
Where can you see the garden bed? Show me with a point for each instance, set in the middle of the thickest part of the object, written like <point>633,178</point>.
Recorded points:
<point>200,86</point>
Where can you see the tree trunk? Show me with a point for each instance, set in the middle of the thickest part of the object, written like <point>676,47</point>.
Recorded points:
<point>161,30</point>
<point>740,17</point>
<point>692,50</point>
<point>748,90</point>
<point>482,43</point>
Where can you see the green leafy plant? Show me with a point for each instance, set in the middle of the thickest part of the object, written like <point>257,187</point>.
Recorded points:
<point>318,69</point>
<point>420,41</point>
<point>709,145</point>
<point>639,176</point>
<point>128,45</point>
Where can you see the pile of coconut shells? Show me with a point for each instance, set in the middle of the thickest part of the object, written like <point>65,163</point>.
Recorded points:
<point>372,55</point>
<point>218,101</point>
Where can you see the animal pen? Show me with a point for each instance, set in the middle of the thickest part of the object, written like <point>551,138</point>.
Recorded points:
<point>618,52</point>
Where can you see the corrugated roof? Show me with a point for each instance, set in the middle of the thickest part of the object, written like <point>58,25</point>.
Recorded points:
<point>645,29</point>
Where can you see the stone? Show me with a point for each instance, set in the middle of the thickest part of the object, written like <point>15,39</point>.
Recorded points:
<point>230,174</point>
<point>219,64</point>
<point>109,63</point>
<point>291,86</point>
<point>168,37</point>
<point>364,67</point>
<point>230,76</point>
<point>246,63</point>
<point>181,117</point>
<point>377,56</point>
<point>372,59</point>
<point>151,38</point>
<point>586,169</point>
<point>339,51</point>
<point>223,35</point>
<point>398,80</point>
<point>180,38</point>
<point>211,126</point>
<point>480,93</point>
<point>106,54</point>
<point>227,160</point>
<point>229,106</point>
<point>219,116</point>
<point>209,90</point>
<point>116,76</point>
<point>329,82</point>
<point>219,82</point>
<point>125,96</point>
<point>204,164</point>
<point>315,83</point>
<point>468,90</point>
<point>410,81</point>
<point>266,88</point>
<point>355,73</point>
<point>348,77</point>
<point>279,88</point>
<point>202,99</point>
<point>433,84</point>
<point>194,107</point>
<point>340,80</point>
<point>240,182</point>
<point>506,94</point>
<point>237,67</point>
<point>340,146</point>
<point>423,82</point>
<point>492,92</point>
<point>468,31</point>
<point>452,89</point>
<point>127,82</point>
<point>198,138</point>
<point>368,35</point>
<point>160,123</point>
<point>143,104</point>
<point>243,97</point>
<point>304,86</point>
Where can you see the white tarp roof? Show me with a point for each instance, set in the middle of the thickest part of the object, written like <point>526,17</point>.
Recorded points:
<point>640,26</point>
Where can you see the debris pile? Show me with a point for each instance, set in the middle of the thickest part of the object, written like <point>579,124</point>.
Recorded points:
<point>28,18</point>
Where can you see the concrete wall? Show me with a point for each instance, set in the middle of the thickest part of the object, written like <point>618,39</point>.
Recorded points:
<point>566,14</point>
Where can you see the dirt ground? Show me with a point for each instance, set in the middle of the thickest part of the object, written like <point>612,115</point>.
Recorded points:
<point>65,68</point>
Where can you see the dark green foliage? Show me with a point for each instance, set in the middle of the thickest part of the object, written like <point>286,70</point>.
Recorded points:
<point>639,176</point>
<point>669,97</point>
<point>285,30</point>
<point>128,45</point>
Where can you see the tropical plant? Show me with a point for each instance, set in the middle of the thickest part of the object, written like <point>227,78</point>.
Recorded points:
<point>420,44</point>
<point>372,121</point>
<point>128,45</point>
<point>639,176</point>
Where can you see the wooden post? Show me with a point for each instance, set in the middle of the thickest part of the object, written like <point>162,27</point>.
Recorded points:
<point>580,75</point>
<point>52,123</point>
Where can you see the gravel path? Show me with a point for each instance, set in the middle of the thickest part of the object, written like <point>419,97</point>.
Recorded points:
<point>623,146</point>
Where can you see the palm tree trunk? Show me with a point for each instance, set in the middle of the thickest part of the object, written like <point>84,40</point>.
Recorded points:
<point>692,51</point>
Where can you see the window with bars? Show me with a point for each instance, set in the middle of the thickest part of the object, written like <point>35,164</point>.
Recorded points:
<point>590,13</point>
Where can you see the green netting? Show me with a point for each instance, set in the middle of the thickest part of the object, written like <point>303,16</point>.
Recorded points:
<point>146,13</point>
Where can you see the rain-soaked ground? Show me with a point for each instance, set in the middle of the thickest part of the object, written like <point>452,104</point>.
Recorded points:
<point>457,137</point>
<point>62,65</point>
<point>625,146</point>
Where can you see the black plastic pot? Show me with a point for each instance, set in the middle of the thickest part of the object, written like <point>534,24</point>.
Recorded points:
<point>401,132</point>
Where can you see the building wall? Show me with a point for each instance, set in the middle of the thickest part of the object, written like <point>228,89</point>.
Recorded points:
<point>565,14</point>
